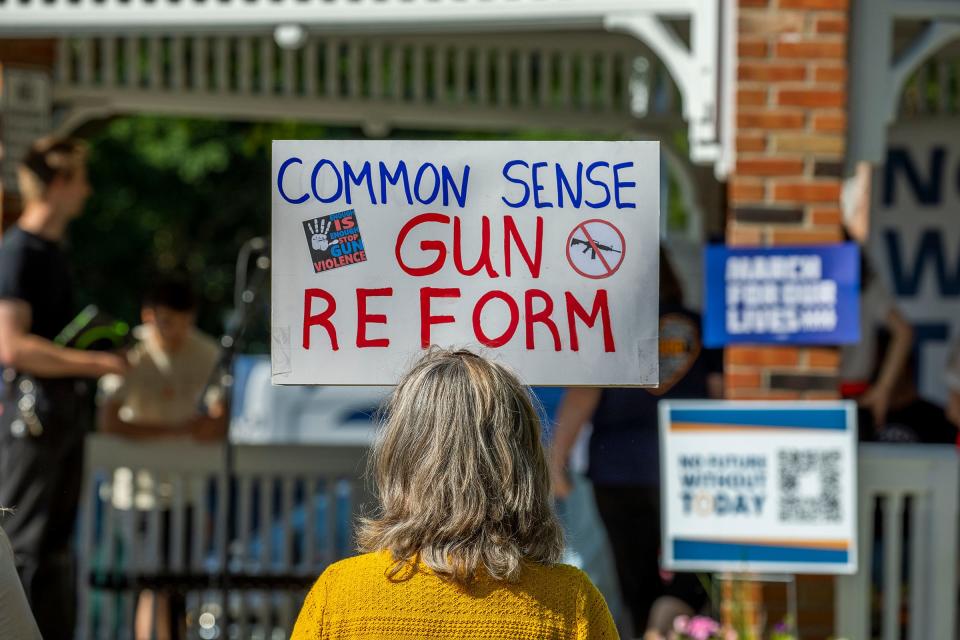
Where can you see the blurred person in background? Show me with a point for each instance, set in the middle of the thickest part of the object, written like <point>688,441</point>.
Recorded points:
<point>465,543</point>
<point>624,458</point>
<point>166,391</point>
<point>910,417</point>
<point>953,387</point>
<point>868,375</point>
<point>43,402</point>
<point>165,394</point>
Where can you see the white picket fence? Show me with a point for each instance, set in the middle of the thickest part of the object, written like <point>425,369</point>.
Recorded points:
<point>906,493</point>
<point>287,512</point>
<point>165,516</point>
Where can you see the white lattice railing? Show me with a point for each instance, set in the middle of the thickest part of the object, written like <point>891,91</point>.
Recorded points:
<point>502,69</point>
<point>591,82</point>
<point>915,488</point>
<point>165,516</point>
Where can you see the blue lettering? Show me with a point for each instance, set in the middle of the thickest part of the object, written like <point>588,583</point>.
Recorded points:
<point>461,194</point>
<point>283,194</point>
<point>313,181</point>
<point>419,178</point>
<point>906,280</point>
<point>357,179</point>
<point>537,188</point>
<point>526,188</point>
<point>606,189</point>
<point>564,185</point>
<point>927,192</point>
<point>394,179</point>
<point>617,184</point>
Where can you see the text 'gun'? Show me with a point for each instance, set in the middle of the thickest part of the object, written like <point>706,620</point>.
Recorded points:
<point>589,246</point>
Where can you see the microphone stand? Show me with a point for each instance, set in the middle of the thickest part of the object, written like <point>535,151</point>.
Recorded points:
<point>246,289</point>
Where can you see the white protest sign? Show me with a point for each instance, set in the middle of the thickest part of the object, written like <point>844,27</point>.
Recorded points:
<point>542,255</point>
<point>764,487</point>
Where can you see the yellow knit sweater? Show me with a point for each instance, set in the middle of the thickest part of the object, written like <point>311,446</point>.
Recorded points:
<point>354,599</point>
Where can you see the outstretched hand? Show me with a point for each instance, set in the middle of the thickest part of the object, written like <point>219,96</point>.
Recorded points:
<point>320,240</point>
<point>877,401</point>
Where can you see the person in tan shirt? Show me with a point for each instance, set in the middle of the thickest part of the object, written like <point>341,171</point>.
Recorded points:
<point>170,367</point>
<point>163,395</point>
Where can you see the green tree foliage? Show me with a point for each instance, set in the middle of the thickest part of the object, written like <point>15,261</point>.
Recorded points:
<point>174,196</point>
<point>177,195</point>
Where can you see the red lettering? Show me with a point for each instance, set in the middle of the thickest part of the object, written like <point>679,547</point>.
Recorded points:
<point>542,316</point>
<point>323,318</point>
<point>511,328</point>
<point>426,319</point>
<point>600,308</point>
<point>510,229</point>
<point>363,317</point>
<point>483,262</point>
<point>349,223</point>
<point>425,245</point>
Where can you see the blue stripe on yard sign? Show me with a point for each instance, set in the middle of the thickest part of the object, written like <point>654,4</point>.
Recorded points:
<point>835,419</point>
<point>739,552</point>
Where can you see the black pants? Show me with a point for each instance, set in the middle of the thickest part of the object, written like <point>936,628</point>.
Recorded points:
<point>40,480</point>
<point>631,516</point>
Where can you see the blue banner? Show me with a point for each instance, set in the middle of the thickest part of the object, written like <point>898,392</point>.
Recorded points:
<point>795,295</point>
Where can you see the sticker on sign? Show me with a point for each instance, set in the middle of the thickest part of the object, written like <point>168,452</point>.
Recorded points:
<point>483,245</point>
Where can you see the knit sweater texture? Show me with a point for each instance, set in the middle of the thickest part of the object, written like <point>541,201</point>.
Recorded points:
<point>355,599</point>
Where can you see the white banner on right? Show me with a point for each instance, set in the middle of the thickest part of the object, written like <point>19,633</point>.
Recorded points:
<point>915,239</point>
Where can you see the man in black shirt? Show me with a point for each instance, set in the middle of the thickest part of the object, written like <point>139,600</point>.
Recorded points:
<point>41,442</point>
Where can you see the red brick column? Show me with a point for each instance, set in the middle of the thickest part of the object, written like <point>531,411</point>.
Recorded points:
<point>785,190</point>
<point>791,121</point>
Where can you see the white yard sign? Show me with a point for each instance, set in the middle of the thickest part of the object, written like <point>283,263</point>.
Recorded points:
<point>543,255</point>
<point>759,487</point>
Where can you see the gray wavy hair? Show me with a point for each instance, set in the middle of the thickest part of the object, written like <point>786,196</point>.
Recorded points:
<point>460,473</point>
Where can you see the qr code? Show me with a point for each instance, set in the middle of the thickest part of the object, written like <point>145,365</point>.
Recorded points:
<point>809,486</point>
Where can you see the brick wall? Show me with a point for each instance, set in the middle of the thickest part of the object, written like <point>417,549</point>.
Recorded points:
<point>791,123</point>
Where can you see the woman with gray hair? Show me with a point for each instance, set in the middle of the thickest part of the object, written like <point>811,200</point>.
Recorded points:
<point>465,543</point>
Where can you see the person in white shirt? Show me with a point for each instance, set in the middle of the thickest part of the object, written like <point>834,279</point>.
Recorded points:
<point>170,368</point>
<point>165,394</point>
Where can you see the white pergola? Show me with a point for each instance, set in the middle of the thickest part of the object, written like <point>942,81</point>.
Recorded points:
<point>890,42</point>
<point>625,68</point>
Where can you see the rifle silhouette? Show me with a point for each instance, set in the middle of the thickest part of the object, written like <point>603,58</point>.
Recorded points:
<point>589,247</point>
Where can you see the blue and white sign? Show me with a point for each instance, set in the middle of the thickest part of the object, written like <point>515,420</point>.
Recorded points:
<point>798,295</point>
<point>759,487</point>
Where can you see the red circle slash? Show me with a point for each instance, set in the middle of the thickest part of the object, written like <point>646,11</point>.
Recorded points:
<point>596,249</point>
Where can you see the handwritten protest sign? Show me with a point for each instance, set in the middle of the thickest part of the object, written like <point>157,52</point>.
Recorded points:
<point>543,255</point>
